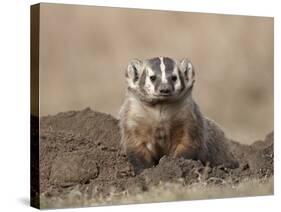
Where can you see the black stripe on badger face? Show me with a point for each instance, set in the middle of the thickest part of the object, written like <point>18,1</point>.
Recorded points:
<point>154,64</point>
<point>181,78</point>
<point>169,64</point>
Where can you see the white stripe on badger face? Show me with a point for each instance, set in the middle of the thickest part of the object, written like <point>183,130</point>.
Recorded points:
<point>149,87</point>
<point>163,71</point>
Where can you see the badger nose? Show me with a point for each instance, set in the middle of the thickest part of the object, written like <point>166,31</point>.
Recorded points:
<point>165,89</point>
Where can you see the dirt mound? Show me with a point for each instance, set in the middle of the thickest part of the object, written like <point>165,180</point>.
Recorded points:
<point>80,149</point>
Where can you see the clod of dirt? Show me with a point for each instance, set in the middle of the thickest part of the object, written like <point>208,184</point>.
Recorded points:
<point>70,168</point>
<point>261,161</point>
<point>166,165</point>
<point>81,149</point>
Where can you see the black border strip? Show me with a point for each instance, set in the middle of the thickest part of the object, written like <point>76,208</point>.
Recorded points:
<point>34,106</point>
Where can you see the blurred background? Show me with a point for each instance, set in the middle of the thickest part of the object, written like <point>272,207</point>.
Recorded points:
<point>84,51</point>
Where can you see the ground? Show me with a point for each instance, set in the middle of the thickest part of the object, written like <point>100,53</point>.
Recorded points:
<point>81,165</point>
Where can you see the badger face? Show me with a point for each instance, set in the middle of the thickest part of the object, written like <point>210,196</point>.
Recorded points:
<point>160,79</point>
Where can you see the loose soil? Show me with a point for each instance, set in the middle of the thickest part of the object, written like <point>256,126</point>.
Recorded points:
<point>80,150</point>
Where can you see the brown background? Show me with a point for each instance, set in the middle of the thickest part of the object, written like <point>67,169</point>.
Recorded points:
<point>84,51</point>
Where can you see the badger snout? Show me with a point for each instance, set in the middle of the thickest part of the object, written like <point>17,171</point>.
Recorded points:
<point>165,89</point>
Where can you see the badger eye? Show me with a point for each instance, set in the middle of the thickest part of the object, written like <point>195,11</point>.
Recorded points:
<point>174,78</point>
<point>153,78</point>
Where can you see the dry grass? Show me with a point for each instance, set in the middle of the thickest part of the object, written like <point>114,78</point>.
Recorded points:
<point>164,192</point>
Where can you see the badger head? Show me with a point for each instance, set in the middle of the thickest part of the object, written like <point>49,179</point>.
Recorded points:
<point>160,79</point>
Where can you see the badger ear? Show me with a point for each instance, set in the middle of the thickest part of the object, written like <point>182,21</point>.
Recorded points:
<point>133,72</point>
<point>188,72</point>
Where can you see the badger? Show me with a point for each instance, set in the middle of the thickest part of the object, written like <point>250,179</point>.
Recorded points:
<point>159,117</point>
